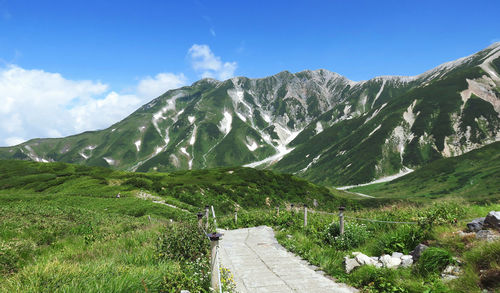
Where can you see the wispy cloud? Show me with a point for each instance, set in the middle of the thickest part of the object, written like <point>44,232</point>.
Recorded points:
<point>212,32</point>
<point>36,103</point>
<point>204,61</point>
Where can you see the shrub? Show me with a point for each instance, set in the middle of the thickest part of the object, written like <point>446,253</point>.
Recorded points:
<point>434,260</point>
<point>193,276</point>
<point>403,239</point>
<point>372,279</point>
<point>140,183</point>
<point>183,242</point>
<point>354,235</point>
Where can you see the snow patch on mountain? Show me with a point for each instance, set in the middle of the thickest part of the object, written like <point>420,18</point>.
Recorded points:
<point>404,171</point>
<point>191,119</point>
<point>374,130</point>
<point>225,123</point>
<point>192,140</point>
<point>110,161</point>
<point>252,146</point>
<point>314,160</point>
<point>379,92</point>
<point>138,145</point>
<point>375,113</point>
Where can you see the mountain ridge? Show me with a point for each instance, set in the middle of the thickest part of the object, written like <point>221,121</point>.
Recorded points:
<point>300,123</point>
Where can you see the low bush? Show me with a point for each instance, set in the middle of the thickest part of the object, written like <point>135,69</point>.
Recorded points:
<point>372,279</point>
<point>354,235</point>
<point>183,241</point>
<point>402,239</point>
<point>433,261</point>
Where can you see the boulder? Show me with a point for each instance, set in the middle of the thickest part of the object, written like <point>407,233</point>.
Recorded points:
<point>417,252</point>
<point>452,270</point>
<point>475,225</point>
<point>363,259</point>
<point>350,264</point>
<point>389,261</point>
<point>406,260</point>
<point>487,235</point>
<point>492,220</point>
<point>397,254</point>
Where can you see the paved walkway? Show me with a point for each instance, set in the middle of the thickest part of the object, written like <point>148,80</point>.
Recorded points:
<point>260,264</point>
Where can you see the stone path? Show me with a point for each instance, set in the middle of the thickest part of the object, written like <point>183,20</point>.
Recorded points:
<point>260,264</point>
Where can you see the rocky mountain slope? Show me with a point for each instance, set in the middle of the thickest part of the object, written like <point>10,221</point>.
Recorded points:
<point>315,124</point>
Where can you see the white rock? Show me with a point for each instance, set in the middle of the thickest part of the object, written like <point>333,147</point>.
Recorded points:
<point>350,264</point>
<point>389,261</point>
<point>406,260</point>
<point>363,259</point>
<point>397,254</point>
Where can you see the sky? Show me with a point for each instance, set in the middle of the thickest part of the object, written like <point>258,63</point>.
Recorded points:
<point>73,66</point>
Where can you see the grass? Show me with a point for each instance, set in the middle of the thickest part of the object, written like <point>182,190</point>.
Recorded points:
<point>474,176</point>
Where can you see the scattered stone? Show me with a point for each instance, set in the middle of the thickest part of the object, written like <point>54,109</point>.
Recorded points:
<point>350,264</point>
<point>476,224</point>
<point>492,220</point>
<point>463,234</point>
<point>406,260</point>
<point>289,236</point>
<point>452,270</point>
<point>447,278</point>
<point>487,235</point>
<point>397,254</point>
<point>185,291</point>
<point>417,252</point>
<point>389,261</point>
<point>363,259</point>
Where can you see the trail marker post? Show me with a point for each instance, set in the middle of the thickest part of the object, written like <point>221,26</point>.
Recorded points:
<point>341,219</point>
<point>214,245</point>
<point>207,215</point>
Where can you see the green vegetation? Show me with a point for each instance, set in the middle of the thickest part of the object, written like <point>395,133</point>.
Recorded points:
<point>474,176</point>
<point>437,225</point>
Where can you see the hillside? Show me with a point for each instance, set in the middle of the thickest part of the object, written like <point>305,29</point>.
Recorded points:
<point>316,124</point>
<point>224,188</point>
<point>474,176</point>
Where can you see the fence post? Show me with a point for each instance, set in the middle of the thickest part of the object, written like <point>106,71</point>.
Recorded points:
<point>214,245</point>
<point>341,219</point>
<point>200,219</point>
<point>277,211</point>
<point>213,215</point>
<point>305,215</point>
<point>207,215</point>
<point>236,218</point>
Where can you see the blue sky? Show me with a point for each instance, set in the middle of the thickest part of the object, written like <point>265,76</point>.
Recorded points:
<point>134,49</point>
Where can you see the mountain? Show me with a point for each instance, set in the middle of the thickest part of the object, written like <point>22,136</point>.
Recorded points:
<point>316,124</point>
<point>474,176</point>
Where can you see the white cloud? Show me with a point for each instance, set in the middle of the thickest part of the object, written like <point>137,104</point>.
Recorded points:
<point>212,32</point>
<point>36,103</point>
<point>207,64</point>
<point>152,87</point>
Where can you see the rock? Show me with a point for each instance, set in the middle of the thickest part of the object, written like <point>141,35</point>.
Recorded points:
<point>389,261</point>
<point>375,258</point>
<point>350,264</point>
<point>487,235</point>
<point>452,270</point>
<point>447,278</point>
<point>289,236</point>
<point>417,252</point>
<point>363,259</point>
<point>492,220</point>
<point>397,254</point>
<point>475,225</point>
<point>406,260</point>
<point>185,291</point>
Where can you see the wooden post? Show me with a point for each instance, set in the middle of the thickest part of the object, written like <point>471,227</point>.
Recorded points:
<point>291,208</point>
<point>200,219</point>
<point>207,215</point>
<point>341,220</point>
<point>305,215</point>
<point>236,218</point>
<point>214,245</point>
<point>277,211</point>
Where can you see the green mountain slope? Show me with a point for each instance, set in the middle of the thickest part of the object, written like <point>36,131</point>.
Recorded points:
<point>190,191</point>
<point>315,124</point>
<point>474,176</point>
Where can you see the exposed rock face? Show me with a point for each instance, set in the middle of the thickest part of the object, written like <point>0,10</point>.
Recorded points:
<point>492,220</point>
<point>476,224</point>
<point>417,252</point>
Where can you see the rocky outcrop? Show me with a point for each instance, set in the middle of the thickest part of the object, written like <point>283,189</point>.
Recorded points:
<point>475,225</point>
<point>492,220</point>
<point>417,252</point>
